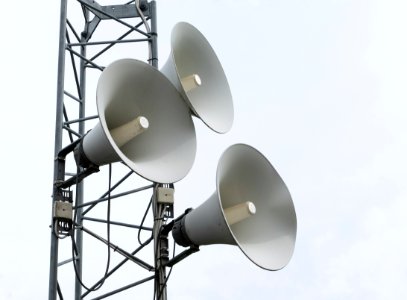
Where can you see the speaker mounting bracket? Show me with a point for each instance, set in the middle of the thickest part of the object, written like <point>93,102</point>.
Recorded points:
<point>78,177</point>
<point>182,256</point>
<point>165,230</point>
<point>60,182</point>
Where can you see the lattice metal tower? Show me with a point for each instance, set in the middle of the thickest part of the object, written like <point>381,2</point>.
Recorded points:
<point>91,36</point>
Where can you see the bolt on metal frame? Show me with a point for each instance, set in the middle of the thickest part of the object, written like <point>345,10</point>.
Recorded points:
<point>75,41</point>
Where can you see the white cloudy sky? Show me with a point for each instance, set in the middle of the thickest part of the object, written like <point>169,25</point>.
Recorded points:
<point>319,88</point>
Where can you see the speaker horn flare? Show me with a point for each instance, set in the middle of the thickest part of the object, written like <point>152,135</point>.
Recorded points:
<point>196,72</point>
<point>251,208</point>
<point>144,122</point>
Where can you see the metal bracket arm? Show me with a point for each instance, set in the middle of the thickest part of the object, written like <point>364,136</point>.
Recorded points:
<point>120,11</point>
<point>181,256</point>
<point>77,178</point>
<point>60,183</point>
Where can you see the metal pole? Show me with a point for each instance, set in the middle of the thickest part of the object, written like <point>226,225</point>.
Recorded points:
<point>160,245</point>
<point>53,272</point>
<point>153,43</point>
<point>80,186</point>
<point>160,250</point>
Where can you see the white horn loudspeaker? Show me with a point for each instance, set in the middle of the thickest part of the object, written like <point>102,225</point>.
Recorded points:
<point>251,208</point>
<point>196,72</point>
<point>144,122</point>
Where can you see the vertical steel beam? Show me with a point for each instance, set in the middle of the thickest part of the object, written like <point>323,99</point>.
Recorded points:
<point>53,271</point>
<point>160,249</point>
<point>153,42</point>
<point>158,208</point>
<point>80,186</point>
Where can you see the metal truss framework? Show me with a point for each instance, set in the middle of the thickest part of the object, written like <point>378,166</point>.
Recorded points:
<point>70,210</point>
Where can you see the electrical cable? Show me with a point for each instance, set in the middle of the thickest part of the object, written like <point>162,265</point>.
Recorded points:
<point>156,212</point>
<point>61,235</point>
<point>169,273</point>
<point>144,20</point>
<point>143,220</point>
<point>74,248</point>
<point>161,215</point>
<point>142,16</point>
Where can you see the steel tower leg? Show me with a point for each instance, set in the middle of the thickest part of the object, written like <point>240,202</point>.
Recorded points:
<point>160,249</point>
<point>80,186</point>
<point>160,242</point>
<point>53,272</point>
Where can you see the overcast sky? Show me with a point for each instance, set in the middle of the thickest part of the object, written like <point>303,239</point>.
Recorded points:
<point>319,87</point>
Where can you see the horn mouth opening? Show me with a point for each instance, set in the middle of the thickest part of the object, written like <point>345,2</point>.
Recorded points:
<point>165,152</point>
<point>209,97</point>
<point>268,237</point>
